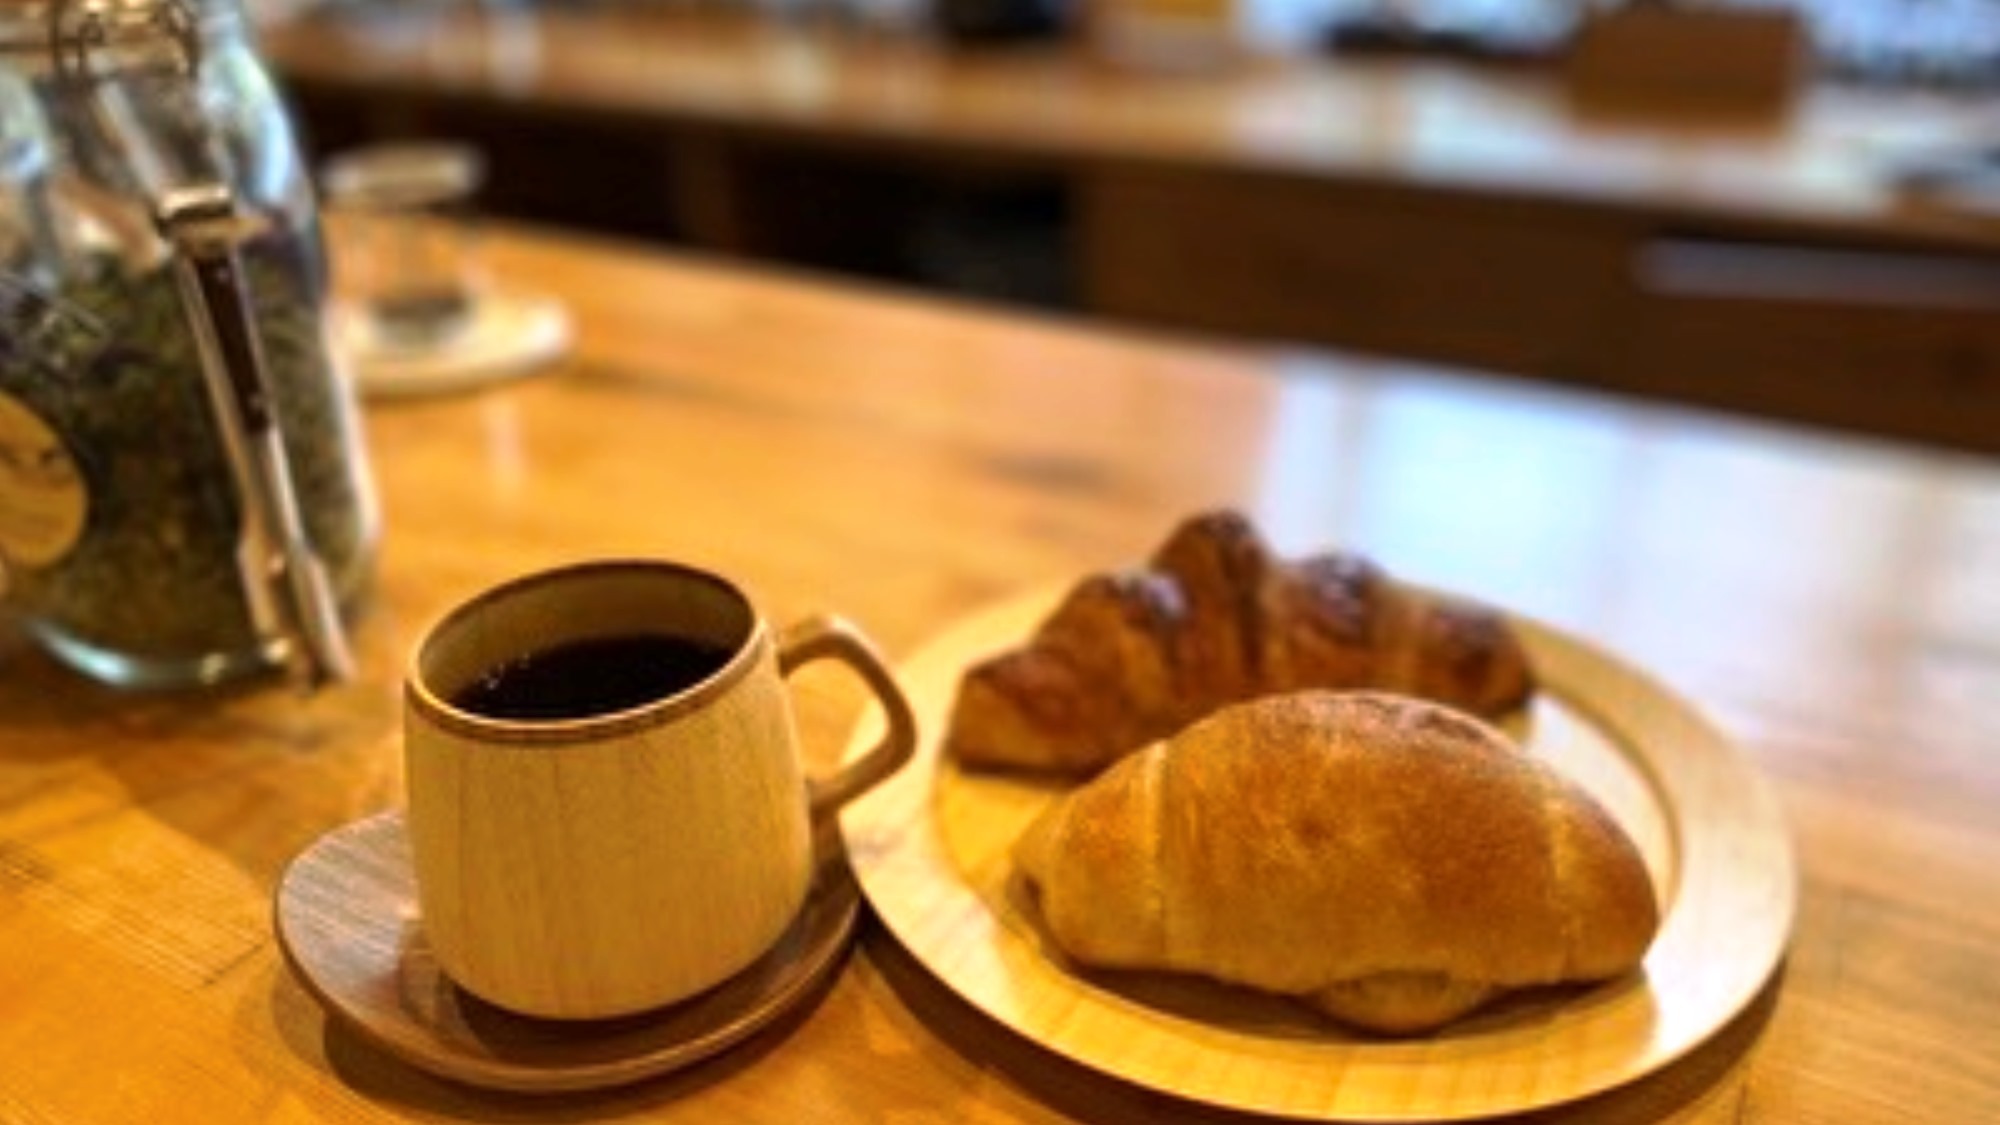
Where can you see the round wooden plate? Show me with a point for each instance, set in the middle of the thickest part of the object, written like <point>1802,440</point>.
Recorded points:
<point>347,921</point>
<point>930,849</point>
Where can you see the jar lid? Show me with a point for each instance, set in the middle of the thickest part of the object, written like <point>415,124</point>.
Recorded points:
<point>26,25</point>
<point>30,18</point>
<point>127,6</point>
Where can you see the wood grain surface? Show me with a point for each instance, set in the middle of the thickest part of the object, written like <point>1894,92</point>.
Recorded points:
<point>1830,605</point>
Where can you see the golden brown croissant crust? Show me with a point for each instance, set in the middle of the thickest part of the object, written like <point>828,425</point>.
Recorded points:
<point>1393,863</point>
<point>1129,658</point>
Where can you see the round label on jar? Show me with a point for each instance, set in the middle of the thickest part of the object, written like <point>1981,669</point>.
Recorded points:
<point>42,497</point>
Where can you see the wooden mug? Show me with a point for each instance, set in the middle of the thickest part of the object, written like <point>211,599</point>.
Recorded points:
<point>601,857</point>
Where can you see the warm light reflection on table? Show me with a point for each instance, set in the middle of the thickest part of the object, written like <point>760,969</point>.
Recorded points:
<point>1829,603</point>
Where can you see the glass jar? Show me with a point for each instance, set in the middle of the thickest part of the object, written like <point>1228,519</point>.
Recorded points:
<point>184,496</point>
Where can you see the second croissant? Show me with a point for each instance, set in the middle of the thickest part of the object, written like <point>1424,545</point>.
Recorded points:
<point>1132,657</point>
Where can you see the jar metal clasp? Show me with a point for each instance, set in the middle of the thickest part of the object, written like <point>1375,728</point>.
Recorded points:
<point>290,599</point>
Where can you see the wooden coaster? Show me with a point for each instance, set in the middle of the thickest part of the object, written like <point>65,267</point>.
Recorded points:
<point>346,916</point>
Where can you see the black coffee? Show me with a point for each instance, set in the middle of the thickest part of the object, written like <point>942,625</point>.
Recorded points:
<point>590,677</point>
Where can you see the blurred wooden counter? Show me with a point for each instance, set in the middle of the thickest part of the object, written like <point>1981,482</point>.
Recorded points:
<point>1830,604</point>
<point>1427,211</point>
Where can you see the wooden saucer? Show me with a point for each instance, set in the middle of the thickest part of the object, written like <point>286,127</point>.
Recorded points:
<point>511,335</point>
<point>346,916</point>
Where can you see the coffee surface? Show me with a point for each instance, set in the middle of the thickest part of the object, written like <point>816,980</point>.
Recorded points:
<point>594,676</point>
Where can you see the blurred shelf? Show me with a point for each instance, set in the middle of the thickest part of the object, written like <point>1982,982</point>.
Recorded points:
<point>1471,215</point>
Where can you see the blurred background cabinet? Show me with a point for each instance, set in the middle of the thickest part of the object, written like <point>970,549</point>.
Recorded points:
<point>1775,263</point>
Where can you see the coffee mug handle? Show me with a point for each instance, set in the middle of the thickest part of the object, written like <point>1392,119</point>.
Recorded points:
<point>823,636</point>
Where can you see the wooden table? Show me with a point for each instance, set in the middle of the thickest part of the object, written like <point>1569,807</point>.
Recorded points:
<point>1765,263</point>
<point>1831,604</point>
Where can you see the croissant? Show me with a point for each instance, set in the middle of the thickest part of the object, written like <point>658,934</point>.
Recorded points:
<point>1128,658</point>
<point>1393,863</point>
